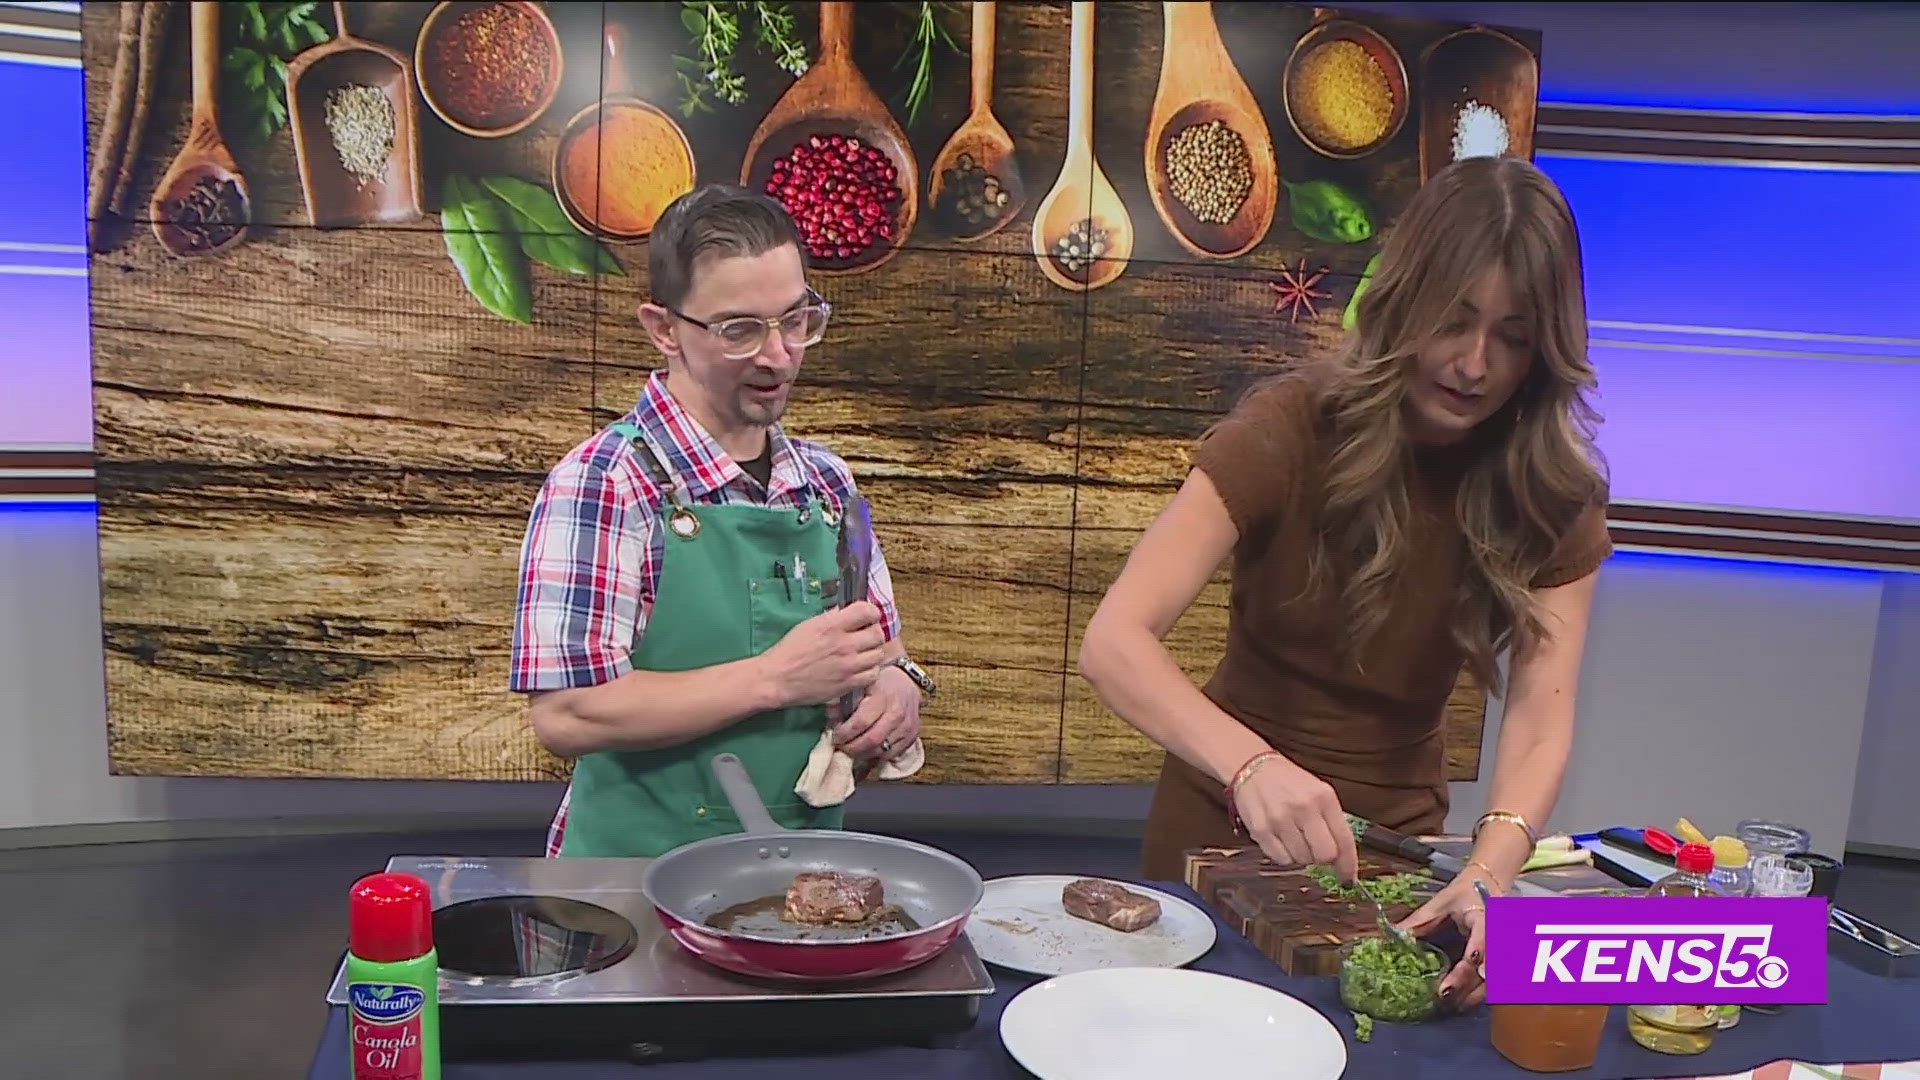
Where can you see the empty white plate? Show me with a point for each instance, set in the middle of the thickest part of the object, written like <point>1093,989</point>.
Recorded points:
<point>1155,1023</point>
<point>1021,925</point>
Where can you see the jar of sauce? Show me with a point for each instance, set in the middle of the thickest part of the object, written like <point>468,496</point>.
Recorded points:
<point>1548,1038</point>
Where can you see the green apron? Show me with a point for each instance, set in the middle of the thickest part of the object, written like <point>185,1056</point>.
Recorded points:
<point>726,592</point>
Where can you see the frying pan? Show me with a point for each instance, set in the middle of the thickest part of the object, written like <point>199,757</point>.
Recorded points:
<point>693,882</point>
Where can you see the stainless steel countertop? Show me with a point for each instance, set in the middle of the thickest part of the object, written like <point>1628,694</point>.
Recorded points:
<point>658,969</point>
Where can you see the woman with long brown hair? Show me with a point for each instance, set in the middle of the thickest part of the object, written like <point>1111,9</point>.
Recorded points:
<point>1425,497</point>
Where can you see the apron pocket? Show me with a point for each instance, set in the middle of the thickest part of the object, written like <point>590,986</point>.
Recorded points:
<point>775,605</point>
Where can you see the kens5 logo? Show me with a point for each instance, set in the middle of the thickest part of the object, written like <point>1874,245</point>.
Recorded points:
<point>1648,950</point>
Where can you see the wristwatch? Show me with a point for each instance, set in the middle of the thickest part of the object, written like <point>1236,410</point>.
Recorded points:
<point>915,672</point>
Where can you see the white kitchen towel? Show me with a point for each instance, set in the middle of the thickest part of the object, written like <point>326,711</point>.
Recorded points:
<point>828,778</point>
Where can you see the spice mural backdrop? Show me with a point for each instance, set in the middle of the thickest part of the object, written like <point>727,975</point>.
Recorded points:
<point>364,271</point>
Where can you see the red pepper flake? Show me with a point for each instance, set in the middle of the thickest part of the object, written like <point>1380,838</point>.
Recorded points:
<point>491,65</point>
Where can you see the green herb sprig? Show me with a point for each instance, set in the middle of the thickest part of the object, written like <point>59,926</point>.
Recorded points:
<point>257,41</point>
<point>715,27</point>
<point>928,34</point>
<point>779,37</point>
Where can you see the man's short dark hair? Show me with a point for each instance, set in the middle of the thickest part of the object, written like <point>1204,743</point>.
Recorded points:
<point>723,219</point>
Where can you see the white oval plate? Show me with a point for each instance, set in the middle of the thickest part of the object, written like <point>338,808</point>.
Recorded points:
<point>1021,925</point>
<point>1153,1023</point>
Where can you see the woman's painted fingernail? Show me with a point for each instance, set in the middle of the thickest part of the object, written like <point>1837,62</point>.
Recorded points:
<point>1474,958</point>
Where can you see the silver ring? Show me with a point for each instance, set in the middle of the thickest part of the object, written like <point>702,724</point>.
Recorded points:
<point>886,745</point>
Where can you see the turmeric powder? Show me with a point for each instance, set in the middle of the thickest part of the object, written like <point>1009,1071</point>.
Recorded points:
<point>622,171</point>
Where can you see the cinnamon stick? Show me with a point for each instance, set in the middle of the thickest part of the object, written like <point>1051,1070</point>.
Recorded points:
<point>153,41</point>
<point>110,144</point>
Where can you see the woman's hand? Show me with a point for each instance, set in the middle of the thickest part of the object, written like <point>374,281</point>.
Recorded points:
<point>1461,988</point>
<point>1296,818</point>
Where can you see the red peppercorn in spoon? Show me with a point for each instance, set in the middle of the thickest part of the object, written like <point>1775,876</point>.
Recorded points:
<point>831,153</point>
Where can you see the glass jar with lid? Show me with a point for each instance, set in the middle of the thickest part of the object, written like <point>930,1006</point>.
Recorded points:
<point>1762,836</point>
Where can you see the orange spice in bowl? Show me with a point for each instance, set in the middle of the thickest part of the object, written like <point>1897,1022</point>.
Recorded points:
<point>619,172</point>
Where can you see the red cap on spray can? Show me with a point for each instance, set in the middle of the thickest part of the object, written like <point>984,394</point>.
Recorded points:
<point>389,918</point>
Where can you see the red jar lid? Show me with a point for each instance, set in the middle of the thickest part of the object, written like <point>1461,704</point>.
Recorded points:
<point>389,918</point>
<point>1695,859</point>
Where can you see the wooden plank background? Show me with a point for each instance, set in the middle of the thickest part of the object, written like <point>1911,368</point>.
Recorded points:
<point>317,453</point>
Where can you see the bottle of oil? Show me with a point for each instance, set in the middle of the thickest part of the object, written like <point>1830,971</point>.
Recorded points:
<point>1679,1029</point>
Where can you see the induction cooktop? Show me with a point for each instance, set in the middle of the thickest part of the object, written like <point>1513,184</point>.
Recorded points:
<point>564,958</point>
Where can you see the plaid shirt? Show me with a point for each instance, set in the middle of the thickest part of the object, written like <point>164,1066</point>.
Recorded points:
<point>590,564</point>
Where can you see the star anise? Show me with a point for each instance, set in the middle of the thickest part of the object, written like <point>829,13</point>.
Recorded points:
<point>1295,291</point>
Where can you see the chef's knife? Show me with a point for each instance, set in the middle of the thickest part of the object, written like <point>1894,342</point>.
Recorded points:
<point>1380,838</point>
<point>854,553</point>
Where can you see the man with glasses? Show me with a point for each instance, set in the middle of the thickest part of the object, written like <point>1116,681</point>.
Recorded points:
<point>677,589</point>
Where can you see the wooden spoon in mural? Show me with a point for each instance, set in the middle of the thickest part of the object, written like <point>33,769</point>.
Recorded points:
<point>577,182</point>
<point>1082,234</point>
<point>1206,138</point>
<point>338,197</point>
<point>980,150</point>
<point>834,99</point>
<point>1481,86</point>
<point>201,205</point>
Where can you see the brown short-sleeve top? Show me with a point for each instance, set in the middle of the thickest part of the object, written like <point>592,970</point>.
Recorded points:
<point>1373,729</point>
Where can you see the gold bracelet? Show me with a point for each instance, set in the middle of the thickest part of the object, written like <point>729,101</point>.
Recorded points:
<point>1491,876</point>
<point>1510,818</point>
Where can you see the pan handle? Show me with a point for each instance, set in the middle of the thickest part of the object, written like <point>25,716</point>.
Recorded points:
<point>746,802</point>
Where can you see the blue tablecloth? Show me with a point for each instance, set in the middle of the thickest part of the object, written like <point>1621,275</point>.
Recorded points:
<point>1867,1018</point>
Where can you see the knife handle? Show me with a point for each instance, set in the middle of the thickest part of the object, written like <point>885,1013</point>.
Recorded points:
<point>1384,839</point>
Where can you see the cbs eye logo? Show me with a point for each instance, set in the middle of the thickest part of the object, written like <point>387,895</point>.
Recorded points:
<point>1772,972</point>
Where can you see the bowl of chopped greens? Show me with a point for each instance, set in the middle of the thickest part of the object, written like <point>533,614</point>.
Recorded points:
<point>1391,981</point>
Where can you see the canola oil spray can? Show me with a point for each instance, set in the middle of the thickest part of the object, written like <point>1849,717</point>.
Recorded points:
<point>393,1006</point>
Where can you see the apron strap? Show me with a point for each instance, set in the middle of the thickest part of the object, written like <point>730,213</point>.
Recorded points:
<point>816,488</point>
<point>656,469</point>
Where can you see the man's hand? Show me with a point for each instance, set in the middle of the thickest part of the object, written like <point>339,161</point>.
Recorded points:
<point>826,656</point>
<point>886,722</point>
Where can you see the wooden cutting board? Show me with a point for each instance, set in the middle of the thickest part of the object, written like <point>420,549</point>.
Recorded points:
<point>1294,923</point>
<point>1286,915</point>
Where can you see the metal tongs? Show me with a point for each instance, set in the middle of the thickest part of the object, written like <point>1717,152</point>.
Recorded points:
<point>854,554</point>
